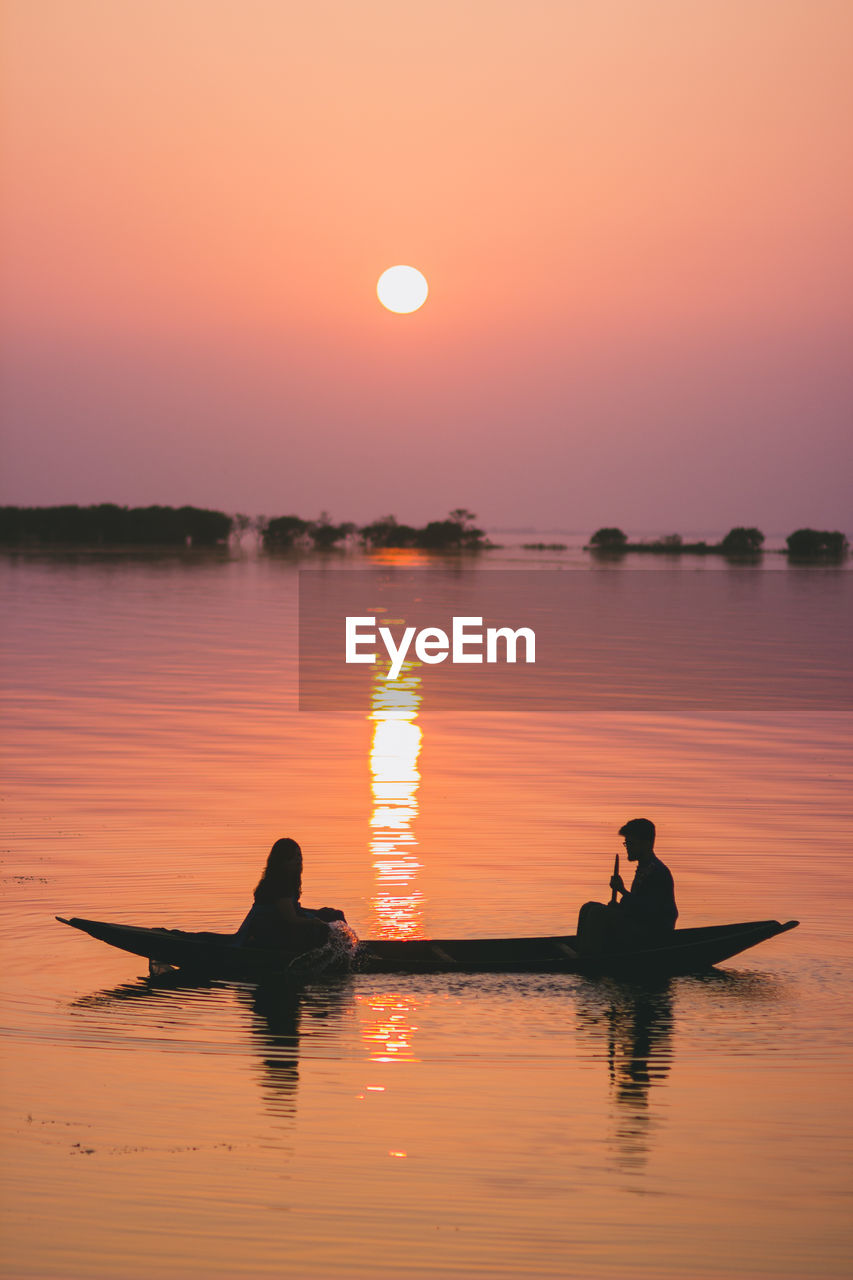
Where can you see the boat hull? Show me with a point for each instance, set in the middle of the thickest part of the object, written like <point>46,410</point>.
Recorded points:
<point>216,955</point>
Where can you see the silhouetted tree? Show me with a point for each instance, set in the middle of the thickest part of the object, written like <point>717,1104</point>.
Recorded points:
<point>441,534</point>
<point>283,531</point>
<point>816,544</point>
<point>608,539</point>
<point>325,534</point>
<point>202,528</point>
<point>455,533</point>
<point>387,532</point>
<point>741,541</point>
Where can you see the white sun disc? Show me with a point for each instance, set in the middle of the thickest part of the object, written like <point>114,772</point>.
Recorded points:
<point>402,289</point>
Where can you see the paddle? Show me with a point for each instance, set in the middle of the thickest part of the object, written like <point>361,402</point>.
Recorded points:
<point>615,872</point>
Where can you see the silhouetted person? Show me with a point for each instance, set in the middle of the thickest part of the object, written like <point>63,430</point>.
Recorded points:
<point>646,913</point>
<point>649,905</point>
<point>277,918</point>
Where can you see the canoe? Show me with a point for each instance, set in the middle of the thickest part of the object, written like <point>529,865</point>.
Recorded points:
<point>215,955</point>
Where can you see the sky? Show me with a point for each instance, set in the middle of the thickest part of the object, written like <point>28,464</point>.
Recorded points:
<point>634,217</point>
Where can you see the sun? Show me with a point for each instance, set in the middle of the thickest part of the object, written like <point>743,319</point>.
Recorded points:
<point>402,289</point>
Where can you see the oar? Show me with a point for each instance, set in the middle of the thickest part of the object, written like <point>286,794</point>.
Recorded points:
<point>615,872</point>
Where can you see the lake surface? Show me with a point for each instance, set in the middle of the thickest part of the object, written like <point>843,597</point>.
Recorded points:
<point>444,1126</point>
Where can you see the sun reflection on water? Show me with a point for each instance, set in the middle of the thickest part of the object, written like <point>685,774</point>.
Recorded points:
<point>397,901</point>
<point>395,746</point>
<point>390,1028</point>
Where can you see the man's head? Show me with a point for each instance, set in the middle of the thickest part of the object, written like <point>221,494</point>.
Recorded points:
<point>639,837</point>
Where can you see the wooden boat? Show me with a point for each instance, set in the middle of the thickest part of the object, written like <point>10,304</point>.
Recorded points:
<point>216,955</point>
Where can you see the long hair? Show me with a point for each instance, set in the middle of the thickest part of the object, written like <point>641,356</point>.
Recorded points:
<point>282,876</point>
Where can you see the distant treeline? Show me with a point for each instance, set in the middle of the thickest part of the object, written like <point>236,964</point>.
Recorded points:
<point>456,533</point>
<point>108,525</point>
<point>740,543</point>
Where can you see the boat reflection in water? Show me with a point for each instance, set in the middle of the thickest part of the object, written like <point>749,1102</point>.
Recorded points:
<point>397,902</point>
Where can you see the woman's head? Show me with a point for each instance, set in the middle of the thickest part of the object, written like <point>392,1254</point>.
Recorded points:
<point>284,853</point>
<point>283,873</point>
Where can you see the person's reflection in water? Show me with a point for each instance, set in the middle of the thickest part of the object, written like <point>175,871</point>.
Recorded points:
<point>638,1024</point>
<point>278,1010</point>
<point>275,1014</point>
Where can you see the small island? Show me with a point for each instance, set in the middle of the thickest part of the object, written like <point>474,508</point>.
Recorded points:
<point>109,527</point>
<point>455,533</point>
<point>740,543</point>
<point>816,544</point>
<point>544,546</point>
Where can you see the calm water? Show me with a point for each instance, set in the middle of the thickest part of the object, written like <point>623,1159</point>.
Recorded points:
<point>445,1126</point>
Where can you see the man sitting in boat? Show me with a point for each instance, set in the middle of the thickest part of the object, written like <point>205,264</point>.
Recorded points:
<point>640,916</point>
<point>277,918</point>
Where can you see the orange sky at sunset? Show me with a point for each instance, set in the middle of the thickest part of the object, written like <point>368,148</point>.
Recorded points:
<point>634,218</point>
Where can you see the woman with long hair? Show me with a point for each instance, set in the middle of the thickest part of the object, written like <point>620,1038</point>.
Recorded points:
<point>277,918</point>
